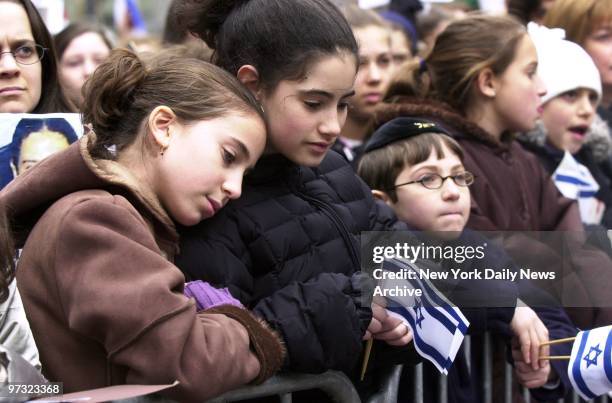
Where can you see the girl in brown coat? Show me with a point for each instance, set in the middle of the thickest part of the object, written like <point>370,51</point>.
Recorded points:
<point>170,142</point>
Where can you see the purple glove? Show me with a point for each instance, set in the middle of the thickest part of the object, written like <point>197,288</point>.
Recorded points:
<point>206,296</point>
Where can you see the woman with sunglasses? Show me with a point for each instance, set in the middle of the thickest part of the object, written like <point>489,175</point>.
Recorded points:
<point>28,67</point>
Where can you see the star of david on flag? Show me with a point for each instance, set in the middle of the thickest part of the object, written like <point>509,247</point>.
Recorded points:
<point>590,367</point>
<point>438,328</point>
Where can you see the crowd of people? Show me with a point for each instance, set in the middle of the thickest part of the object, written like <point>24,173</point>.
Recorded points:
<point>206,227</point>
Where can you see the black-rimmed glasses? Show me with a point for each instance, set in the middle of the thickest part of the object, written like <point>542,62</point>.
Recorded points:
<point>435,181</point>
<point>27,54</point>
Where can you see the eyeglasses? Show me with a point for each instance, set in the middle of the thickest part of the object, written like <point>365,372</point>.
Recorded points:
<point>435,181</point>
<point>27,54</point>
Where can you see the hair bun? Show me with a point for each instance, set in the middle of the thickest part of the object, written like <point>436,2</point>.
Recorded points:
<point>110,91</point>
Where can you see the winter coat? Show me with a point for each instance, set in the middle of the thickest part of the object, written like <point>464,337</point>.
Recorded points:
<point>513,192</point>
<point>595,155</point>
<point>289,249</point>
<point>104,300</point>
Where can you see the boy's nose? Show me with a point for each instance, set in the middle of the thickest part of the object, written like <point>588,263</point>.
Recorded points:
<point>586,107</point>
<point>450,190</point>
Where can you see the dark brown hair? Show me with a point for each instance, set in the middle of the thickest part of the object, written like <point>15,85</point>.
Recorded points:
<point>7,253</point>
<point>461,52</point>
<point>125,89</point>
<point>280,38</point>
<point>67,35</point>
<point>52,98</point>
<point>380,168</point>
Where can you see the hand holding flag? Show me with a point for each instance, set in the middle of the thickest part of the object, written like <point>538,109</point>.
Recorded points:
<point>437,327</point>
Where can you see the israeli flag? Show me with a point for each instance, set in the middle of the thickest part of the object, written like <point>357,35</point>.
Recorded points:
<point>590,367</point>
<point>438,328</point>
<point>575,181</point>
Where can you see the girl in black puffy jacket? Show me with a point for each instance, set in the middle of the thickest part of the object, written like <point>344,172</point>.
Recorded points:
<point>289,247</point>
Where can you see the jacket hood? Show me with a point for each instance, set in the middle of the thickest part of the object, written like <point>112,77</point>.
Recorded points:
<point>597,139</point>
<point>441,113</point>
<point>74,169</point>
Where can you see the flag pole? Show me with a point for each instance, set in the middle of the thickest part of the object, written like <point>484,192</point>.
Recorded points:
<point>550,343</point>
<point>366,358</point>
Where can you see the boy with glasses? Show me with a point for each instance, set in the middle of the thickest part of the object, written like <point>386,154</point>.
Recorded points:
<point>416,168</point>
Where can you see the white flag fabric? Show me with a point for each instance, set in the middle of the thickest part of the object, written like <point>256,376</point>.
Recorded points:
<point>438,328</point>
<point>590,367</point>
<point>575,181</point>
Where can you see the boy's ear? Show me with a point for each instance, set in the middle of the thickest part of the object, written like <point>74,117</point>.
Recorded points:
<point>487,83</point>
<point>382,196</point>
<point>249,77</point>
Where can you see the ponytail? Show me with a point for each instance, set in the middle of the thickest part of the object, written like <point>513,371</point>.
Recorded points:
<point>461,52</point>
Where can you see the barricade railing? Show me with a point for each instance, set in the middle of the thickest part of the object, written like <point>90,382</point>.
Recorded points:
<point>340,389</point>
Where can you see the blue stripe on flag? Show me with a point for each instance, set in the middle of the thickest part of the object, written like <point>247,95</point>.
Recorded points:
<point>586,193</point>
<point>426,348</point>
<point>607,358</point>
<point>440,317</point>
<point>447,308</point>
<point>576,373</point>
<point>433,295</point>
<point>571,179</point>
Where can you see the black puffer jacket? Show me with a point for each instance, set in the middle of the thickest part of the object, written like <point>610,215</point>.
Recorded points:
<point>289,249</point>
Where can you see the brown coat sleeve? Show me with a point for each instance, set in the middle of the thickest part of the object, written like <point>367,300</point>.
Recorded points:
<point>115,287</point>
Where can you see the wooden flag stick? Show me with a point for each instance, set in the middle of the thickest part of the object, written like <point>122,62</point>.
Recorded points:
<point>366,358</point>
<point>556,357</point>
<point>550,343</point>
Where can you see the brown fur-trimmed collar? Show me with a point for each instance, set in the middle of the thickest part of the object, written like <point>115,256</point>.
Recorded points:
<point>442,114</point>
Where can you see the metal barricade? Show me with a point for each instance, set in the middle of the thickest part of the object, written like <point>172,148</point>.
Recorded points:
<point>341,390</point>
<point>335,384</point>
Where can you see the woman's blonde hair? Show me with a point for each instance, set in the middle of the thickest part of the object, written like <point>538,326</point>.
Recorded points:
<point>579,18</point>
<point>461,52</point>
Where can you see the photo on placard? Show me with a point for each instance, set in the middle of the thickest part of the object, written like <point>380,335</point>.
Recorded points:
<point>26,139</point>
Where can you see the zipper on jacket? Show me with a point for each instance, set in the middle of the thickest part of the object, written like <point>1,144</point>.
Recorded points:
<point>339,224</point>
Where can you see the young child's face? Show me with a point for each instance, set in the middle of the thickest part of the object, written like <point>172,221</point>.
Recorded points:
<point>517,99</point>
<point>567,118</point>
<point>444,209</point>
<point>306,116</point>
<point>375,70</point>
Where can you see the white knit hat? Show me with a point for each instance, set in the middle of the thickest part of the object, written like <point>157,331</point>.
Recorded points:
<point>562,65</point>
